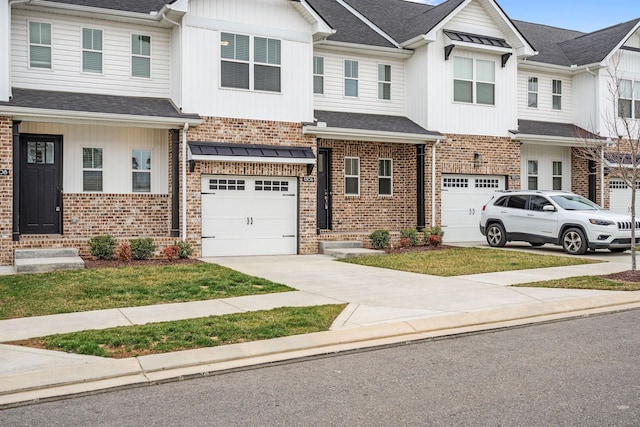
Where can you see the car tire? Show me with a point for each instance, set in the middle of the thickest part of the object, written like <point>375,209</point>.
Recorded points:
<point>574,242</point>
<point>496,237</point>
<point>616,250</point>
<point>536,244</point>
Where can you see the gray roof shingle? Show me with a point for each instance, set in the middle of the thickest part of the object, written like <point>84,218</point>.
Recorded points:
<point>372,122</point>
<point>93,103</point>
<point>137,6</point>
<point>562,130</point>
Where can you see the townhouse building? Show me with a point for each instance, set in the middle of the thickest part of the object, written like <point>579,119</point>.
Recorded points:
<point>267,126</point>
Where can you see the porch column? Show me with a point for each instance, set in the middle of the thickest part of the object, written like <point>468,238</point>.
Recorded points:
<point>420,186</point>
<point>16,181</point>
<point>175,182</point>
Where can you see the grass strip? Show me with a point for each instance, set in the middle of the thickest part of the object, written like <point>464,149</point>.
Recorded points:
<point>584,282</point>
<point>462,261</point>
<point>25,295</point>
<point>164,337</point>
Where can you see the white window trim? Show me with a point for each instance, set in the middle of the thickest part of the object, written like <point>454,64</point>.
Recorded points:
<point>554,176</point>
<point>82,50</point>
<point>35,44</point>
<point>634,114</point>
<point>474,83</point>
<point>383,82</point>
<point>351,176</point>
<point>132,55</point>
<point>537,92</point>
<point>318,75</point>
<point>345,78</point>
<point>530,175</point>
<point>554,94</point>
<point>389,177</point>
<point>92,169</point>
<point>149,171</point>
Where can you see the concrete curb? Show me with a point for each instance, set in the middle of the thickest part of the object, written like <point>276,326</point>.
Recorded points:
<point>105,374</point>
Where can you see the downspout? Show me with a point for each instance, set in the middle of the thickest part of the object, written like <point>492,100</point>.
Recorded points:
<point>433,183</point>
<point>602,178</point>
<point>420,186</point>
<point>184,181</point>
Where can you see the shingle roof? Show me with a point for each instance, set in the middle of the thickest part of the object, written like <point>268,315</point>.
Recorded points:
<point>426,21</point>
<point>86,102</point>
<point>227,149</point>
<point>138,6</point>
<point>562,130</point>
<point>372,122</point>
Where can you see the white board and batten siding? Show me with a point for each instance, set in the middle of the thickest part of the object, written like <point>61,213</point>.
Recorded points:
<point>463,197</point>
<point>66,52</point>
<point>117,144</point>
<point>367,100</point>
<point>249,215</point>
<point>275,19</point>
<point>545,155</point>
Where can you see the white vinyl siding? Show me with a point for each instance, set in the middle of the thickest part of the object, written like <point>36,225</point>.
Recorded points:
<point>67,59</point>
<point>117,144</point>
<point>547,100</point>
<point>91,50</point>
<point>39,45</point>
<point>552,168</point>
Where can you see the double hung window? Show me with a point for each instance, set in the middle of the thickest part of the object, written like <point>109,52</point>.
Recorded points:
<point>91,50</point>
<point>39,45</point>
<point>238,71</point>
<point>474,81</point>
<point>140,56</point>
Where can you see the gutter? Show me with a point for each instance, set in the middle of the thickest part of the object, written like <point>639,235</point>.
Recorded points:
<point>360,48</point>
<point>369,135</point>
<point>184,181</point>
<point>556,140</point>
<point>155,16</point>
<point>433,183</point>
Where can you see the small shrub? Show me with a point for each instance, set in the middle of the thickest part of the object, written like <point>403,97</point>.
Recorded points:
<point>184,249</point>
<point>102,247</point>
<point>434,240</point>
<point>411,234</point>
<point>171,252</point>
<point>379,239</point>
<point>405,242</point>
<point>123,252</point>
<point>142,248</point>
<point>433,231</point>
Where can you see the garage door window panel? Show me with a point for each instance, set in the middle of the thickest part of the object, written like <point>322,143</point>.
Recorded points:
<point>227,184</point>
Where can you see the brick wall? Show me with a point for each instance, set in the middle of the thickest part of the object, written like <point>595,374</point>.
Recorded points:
<point>6,191</point>
<point>241,131</point>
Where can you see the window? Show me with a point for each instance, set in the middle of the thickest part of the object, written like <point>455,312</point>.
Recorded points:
<point>39,45</point>
<point>629,99</point>
<point>384,81</point>
<point>557,94</point>
<point>517,202</point>
<point>141,167</point>
<point>532,172</point>
<point>91,169</point>
<point>532,92</point>
<point>350,78</point>
<point>266,70</point>
<point>235,65</point>
<point>537,203</point>
<point>91,50</point>
<point>466,89</point>
<point>557,175</point>
<point>636,96</point>
<point>227,184</point>
<point>351,176</point>
<point>318,74</point>
<point>40,153</point>
<point>385,177</point>
<point>140,56</point>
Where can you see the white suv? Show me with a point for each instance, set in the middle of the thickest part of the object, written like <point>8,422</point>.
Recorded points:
<point>557,217</point>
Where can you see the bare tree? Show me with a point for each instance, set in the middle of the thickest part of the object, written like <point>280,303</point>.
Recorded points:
<point>621,152</point>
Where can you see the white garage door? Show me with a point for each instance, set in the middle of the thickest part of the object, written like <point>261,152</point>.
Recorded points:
<point>463,197</point>
<point>620,197</point>
<point>247,215</point>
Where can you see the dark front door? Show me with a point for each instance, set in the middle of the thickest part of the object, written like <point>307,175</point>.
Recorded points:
<point>40,184</point>
<point>324,189</point>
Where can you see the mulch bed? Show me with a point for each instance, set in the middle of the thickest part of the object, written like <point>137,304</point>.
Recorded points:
<point>417,248</point>
<point>114,263</point>
<point>629,276</point>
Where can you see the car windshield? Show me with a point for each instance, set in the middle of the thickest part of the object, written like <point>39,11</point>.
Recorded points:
<point>572,202</point>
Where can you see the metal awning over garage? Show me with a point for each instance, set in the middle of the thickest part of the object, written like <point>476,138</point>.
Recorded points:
<point>251,153</point>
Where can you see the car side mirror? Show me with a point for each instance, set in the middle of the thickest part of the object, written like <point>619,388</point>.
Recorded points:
<point>548,208</point>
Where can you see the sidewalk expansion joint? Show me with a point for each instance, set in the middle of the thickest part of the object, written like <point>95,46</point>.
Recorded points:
<point>126,317</point>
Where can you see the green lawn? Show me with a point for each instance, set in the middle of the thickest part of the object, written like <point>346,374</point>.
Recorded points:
<point>461,261</point>
<point>211,331</point>
<point>26,295</point>
<point>584,282</point>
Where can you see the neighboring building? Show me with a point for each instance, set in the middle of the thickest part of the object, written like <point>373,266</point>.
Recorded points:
<point>265,127</point>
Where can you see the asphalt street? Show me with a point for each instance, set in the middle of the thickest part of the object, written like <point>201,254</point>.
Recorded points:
<point>581,372</point>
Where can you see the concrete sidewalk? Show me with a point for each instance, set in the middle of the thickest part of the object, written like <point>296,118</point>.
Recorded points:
<point>384,306</point>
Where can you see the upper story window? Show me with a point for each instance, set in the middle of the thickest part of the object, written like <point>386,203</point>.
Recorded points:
<point>532,92</point>
<point>91,50</point>
<point>318,74</point>
<point>236,66</point>
<point>350,78</point>
<point>384,81</point>
<point>39,45</point>
<point>91,169</point>
<point>556,93</point>
<point>473,81</point>
<point>352,176</point>
<point>141,171</point>
<point>385,177</point>
<point>629,99</point>
<point>140,56</point>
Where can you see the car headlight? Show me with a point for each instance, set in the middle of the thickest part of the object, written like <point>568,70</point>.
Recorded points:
<point>601,222</point>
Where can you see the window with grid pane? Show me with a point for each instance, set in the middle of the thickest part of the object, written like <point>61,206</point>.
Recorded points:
<point>532,92</point>
<point>140,56</point>
<point>557,94</point>
<point>625,99</point>
<point>39,45</point>
<point>636,98</point>
<point>141,171</point>
<point>266,72</point>
<point>486,84</point>
<point>91,50</point>
<point>91,169</point>
<point>557,175</point>
<point>234,51</point>
<point>462,79</point>
<point>350,78</point>
<point>351,176</point>
<point>384,81</point>
<point>532,172</point>
<point>385,177</point>
<point>318,74</point>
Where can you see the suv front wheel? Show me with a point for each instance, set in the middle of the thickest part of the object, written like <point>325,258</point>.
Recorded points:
<point>574,242</point>
<point>496,236</point>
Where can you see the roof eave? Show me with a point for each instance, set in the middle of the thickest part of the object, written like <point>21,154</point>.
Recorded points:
<point>563,141</point>
<point>360,48</point>
<point>370,135</point>
<point>321,29</point>
<point>621,43</point>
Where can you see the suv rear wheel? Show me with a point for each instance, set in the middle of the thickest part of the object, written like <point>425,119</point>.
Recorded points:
<point>574,242</point>
<point>496,236</point>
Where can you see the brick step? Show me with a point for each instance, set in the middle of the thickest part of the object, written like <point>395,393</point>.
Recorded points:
<point>352,252</point>
<point>45,253</point>
<point>40,265</point>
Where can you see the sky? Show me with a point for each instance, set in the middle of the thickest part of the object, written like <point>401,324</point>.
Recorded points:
<point>584,15</point>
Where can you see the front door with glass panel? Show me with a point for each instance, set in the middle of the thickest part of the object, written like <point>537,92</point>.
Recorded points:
<point>324,189</point>
<point>40,184</point>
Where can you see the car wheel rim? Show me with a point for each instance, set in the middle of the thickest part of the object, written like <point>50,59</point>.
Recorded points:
<point>494,235</point>
<point>572,242</point>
